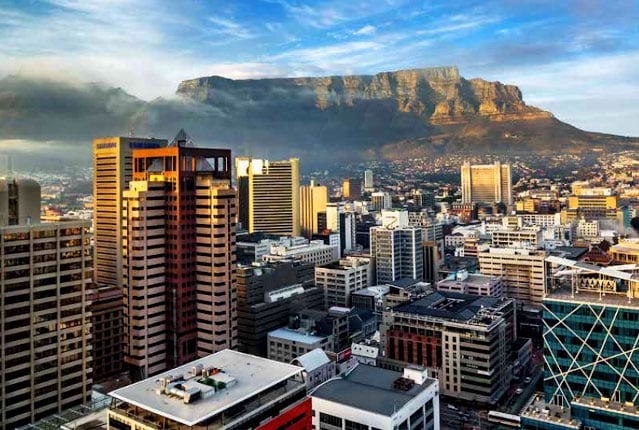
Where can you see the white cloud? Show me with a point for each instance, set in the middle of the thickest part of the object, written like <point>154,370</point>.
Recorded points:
<point>231,28</point>
<point>366,30</point>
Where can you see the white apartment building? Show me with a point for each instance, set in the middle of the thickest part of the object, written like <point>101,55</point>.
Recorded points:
<point>372,397</point>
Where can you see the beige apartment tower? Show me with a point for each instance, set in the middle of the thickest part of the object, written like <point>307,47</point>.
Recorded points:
<point>269,195</point>
<point>45,320</point>
<point>313,199</point>
<point>179,266</point>
<point>486,183</point>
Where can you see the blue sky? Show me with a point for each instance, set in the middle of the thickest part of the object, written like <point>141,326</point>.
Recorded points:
<point>577,59</point>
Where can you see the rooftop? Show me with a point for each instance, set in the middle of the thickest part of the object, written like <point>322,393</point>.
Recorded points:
<point>295,336</point>
<point>312,360</point>
<point>371,389</point>
<point>537,409</point>
<point>245,375</point>
<point>456,307</point>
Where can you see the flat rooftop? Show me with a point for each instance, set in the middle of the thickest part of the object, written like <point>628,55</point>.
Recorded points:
<point>537,409</point>
<point>453,306</point>
<point>296,336</point>
<point>565,294</point>
<point>251,375</point>
<point>371,389</point>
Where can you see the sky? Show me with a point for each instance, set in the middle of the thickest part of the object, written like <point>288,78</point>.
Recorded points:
<point>577,59</point>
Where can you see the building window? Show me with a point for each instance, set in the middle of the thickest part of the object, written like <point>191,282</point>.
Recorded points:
<point>352,425</point>
<point>330,420</point>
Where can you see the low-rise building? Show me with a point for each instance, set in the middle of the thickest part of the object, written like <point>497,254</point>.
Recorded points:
<point>315,252</point>
<point>472,283</point>
<point>286,344</point>
<point>373,398</point>
<point>225,390</point>
<point>318,368</point>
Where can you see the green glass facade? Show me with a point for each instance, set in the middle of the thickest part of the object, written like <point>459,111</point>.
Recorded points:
<point>590,352</point>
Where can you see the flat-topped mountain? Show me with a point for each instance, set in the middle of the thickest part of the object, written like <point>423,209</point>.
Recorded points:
<point>407,113</point>
<point>437,95</point>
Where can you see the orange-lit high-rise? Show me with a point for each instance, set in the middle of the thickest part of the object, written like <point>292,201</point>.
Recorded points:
<point>179,258</point>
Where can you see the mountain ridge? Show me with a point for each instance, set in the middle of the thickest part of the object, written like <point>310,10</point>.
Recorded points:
<point>406,113</point>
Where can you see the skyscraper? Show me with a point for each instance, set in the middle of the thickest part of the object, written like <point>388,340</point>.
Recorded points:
<point>352,188</point>
<point>486,183</point>
<point>313,200</point>
<point>45,326</point>
<point>397,248</point>
<point>111,175</point>
<point>179,274</point>
<point>368,181</point>
<point>268,194</point>
<point>19,201</point>
<point>381,200</point>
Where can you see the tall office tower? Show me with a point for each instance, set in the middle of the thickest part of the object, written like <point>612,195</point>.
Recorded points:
<point>45,326</point>
<point>590,341</point>
<point>111,175</point>
<point>269,195</point>
<point>313,200</point>
<point>369,185</point>
<point>352,188</point>
<point>381,201</point>
<point>486,183</point>
<point>144,277</point>
<point>431,261</point>
<point>19,201</point>
<point>337,220</point>
<point>181,222</point>
<point>424,199</point>
<point>397,248</point>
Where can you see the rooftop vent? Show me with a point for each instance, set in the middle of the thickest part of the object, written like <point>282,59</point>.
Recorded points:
<point>403,384</point>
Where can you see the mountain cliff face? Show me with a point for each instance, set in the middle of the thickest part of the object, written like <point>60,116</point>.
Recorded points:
<point>436,95</point>
<point>408,113</point>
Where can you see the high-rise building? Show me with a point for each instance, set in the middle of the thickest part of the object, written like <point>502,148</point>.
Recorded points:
<point>337,220</point>
<point>339,280</point>
<point>352,188</point>
<point>111,175</point>
<point>381,200</point>
<point>369,185</point>
<point>269,195</point>
<point>313,199</point>
<point>19,201</point>
<point>590,334</point>
<point>486,183</point>
<point>523,272</point>
<point>45,320</point>
<point>179,271</point>
<point>397,248</point>
<point>266,295</point>
<point>465,340</point>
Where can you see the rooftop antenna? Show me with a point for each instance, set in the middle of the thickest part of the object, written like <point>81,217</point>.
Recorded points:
<point>132,131</point>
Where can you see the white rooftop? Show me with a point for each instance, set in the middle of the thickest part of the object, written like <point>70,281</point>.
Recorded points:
<point>313,359</point>
<point>292,335</point>
<point>252,375</point>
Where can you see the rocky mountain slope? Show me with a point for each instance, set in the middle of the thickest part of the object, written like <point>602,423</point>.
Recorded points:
<point>408,113</point>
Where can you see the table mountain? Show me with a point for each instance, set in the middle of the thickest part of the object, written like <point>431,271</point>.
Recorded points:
<point>407,113</point>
